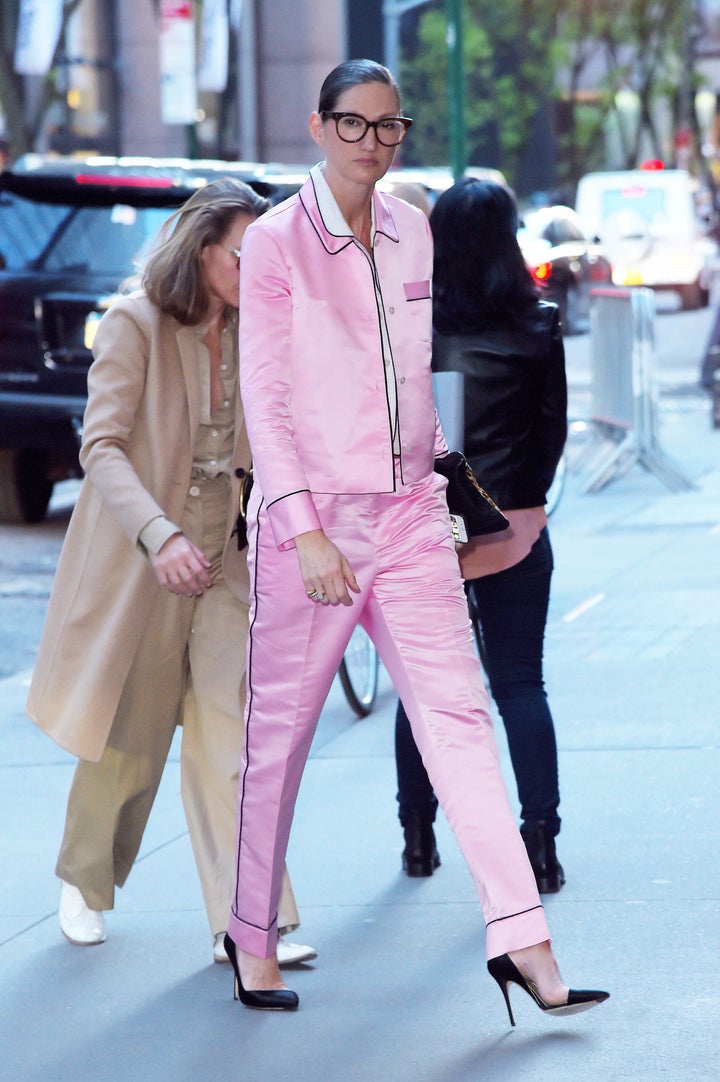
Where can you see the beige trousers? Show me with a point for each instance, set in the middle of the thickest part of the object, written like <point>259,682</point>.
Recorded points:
<point>189,665</point>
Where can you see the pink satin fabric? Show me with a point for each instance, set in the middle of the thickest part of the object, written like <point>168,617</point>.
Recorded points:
<point>413,605</point>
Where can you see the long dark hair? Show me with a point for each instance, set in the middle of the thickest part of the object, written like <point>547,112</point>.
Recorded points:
<point>352,73</point>
<point>480,278</point>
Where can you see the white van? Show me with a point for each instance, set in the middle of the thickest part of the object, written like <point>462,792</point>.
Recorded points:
<point>650,226</point>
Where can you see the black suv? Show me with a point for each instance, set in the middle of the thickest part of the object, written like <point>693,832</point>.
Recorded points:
<point>71,230</point>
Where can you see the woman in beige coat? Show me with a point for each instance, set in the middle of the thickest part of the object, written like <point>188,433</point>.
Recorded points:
<point>147,622</point>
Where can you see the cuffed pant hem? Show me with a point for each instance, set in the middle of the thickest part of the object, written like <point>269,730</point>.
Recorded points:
<point>258,941</point>
<point>517,931</point>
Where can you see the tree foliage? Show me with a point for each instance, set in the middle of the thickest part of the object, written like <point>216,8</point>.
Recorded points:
<point>542,78</point>
<point>25,113</point>
<point>541,83</point>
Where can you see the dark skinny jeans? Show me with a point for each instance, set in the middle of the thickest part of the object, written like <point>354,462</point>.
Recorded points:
<point>512,607</point>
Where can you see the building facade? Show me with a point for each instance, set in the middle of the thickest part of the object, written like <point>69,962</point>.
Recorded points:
<point>111,73</point>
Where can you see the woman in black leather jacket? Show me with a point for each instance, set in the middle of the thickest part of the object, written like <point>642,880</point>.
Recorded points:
<point>490,325</point>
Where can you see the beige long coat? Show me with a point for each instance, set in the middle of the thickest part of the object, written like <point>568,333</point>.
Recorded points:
<point>137,453</point>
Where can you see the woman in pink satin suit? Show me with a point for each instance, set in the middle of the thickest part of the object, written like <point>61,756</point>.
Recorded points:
<point>348,523</point>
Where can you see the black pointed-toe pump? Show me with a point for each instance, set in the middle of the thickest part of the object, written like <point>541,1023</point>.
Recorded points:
<point>271,999</point>
<point>505,972</point>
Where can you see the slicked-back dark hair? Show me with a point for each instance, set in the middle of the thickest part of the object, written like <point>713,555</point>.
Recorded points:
<point>479,277</point>
<point>352,73</point>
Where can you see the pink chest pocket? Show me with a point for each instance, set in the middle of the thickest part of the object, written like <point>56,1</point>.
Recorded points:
<point>417,291</point>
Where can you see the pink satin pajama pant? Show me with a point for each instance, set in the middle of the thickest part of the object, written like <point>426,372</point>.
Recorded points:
<point>413,606</point>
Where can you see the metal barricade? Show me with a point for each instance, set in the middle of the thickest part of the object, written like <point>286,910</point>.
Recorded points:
<point>449,390</point>
<point>624,394</point>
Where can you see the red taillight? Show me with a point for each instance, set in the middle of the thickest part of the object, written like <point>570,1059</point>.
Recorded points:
<point>542,272</point>
<point>124,182</point>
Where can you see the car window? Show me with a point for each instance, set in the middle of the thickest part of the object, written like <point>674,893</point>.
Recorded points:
<point>25,228</point>
<point>550,233</point>
<point>565,231</point>
<point>90,240</point>
<point>648,202</point>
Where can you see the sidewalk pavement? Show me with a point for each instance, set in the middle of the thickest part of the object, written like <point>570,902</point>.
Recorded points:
<point>399,992</point>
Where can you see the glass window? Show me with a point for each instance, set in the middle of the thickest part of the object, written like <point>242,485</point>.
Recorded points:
<point>648,202</point>
<point>566,231</point>
<point>87,240</point>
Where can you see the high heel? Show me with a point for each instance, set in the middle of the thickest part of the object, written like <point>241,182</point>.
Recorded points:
<point>504,970</point>
<point>272,999</point>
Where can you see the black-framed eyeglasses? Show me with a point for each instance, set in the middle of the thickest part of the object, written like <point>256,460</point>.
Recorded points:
<point>351,127</point>
<point>233,251</point>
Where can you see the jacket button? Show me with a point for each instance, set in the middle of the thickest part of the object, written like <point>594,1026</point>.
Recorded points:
<point>239,472</point>
<point>194,490</point>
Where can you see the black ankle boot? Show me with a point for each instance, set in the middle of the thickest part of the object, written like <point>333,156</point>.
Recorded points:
<point>420,856</point>
<point>540,845</point>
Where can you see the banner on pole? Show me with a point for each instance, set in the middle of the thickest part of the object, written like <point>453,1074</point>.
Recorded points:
<point>235,13</point>
<point>39,23</point>
<point>215,41</point>
<point>178,88</point>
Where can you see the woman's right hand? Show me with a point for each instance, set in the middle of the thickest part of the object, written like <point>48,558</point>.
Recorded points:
<point>324,569</point>
<point>181,567</point>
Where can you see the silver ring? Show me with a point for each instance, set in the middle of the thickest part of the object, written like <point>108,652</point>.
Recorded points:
<point>319,597</point>
<point>312,594</point>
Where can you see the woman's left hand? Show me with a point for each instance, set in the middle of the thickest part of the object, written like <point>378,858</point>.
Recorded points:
<point>181,567</point>
<point>325,572</point>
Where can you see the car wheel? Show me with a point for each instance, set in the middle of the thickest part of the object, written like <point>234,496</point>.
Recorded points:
<point>25,488</point>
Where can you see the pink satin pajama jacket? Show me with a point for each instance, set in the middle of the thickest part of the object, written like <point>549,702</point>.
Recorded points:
<point>311,359</point>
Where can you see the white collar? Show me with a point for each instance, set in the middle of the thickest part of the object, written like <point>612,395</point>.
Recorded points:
<point>331,214</point>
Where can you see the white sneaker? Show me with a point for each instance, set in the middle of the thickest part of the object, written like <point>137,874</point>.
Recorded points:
<point>82,926</point>
<point>219,952</point>
<point>288,954</point>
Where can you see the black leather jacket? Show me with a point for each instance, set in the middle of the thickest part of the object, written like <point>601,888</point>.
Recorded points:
<point>515,404</point>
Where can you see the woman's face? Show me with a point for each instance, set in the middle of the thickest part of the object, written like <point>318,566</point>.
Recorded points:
<point>366,161</point>
<point>222,266</point>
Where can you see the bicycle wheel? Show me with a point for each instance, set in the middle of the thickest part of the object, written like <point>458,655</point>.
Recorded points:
<point>556,488</point>
<point>358,673</point>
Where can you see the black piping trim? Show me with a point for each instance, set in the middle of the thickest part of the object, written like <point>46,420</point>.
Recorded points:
<point>395,239</point>
<point>380,198</point>
<point>511,915</point>
<point>340,236</point>
<point>381,319</point>
<point>285,497</point>
<point>260,927</point>
<point>241,794</point>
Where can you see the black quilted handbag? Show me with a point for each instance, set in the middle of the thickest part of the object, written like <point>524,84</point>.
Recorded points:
<point>467,500</point>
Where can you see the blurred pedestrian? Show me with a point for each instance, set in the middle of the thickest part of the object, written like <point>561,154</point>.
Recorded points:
<point>490,325</point>
<point>710,369</point>
<point>147,622</point>
<point>413,193</point>
<point>349,523</point>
